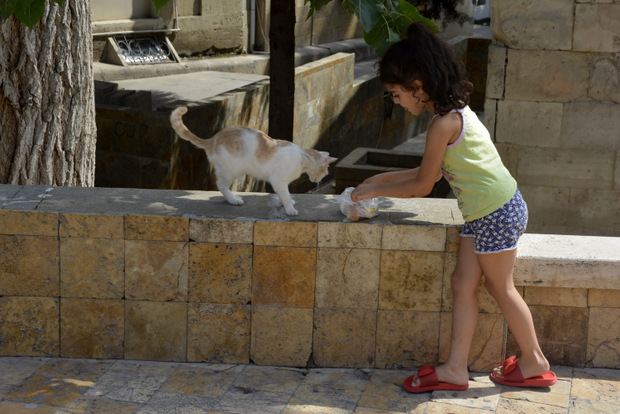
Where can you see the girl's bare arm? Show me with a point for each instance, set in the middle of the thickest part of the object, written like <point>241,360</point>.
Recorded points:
<point>407,184</point>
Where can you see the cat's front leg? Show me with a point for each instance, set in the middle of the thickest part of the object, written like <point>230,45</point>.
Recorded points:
<point>281,190</point>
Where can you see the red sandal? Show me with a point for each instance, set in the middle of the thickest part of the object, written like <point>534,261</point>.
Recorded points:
<point>429,382</point>
<point>512,376</point>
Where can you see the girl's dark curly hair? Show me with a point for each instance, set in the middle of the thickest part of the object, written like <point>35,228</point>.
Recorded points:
<point>424,56</point>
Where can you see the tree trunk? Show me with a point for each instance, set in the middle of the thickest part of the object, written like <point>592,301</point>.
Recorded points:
<point>47,106</point>
<point>282,69</point>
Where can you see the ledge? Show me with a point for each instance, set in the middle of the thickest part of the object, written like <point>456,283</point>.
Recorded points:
<point>211,204</point>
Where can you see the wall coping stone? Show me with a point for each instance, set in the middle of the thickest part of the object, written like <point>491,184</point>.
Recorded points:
<point>210,204</point>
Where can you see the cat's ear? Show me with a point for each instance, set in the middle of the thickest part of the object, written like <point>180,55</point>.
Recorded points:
<point>326,158</point>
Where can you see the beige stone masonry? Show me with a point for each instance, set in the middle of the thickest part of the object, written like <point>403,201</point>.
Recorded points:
<point>585,125</point>
<point>550,76</point>
<point>552,96</point>
<point>543,128</point>
<point>153,280</point>
<point>601,18</point>
<point>526,24</point>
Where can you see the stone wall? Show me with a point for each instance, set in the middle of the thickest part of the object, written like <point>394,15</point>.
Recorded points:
<point>173,275</point>
<point>553,107</point>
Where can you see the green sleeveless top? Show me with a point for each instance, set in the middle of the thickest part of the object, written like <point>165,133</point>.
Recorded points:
<point>474,169</point>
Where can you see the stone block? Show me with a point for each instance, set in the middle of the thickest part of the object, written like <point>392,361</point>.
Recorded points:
<point>28,223</point>
<point>597,209</point>
<point>141,227</point>
<point>546,296</point>
<point>604,338</point>
<point>407,339</point>
<point>551,260</point>
<point>509,154</point>
<point>221,231</point>
<point>285,234</point>
<point>156,331</point>
<point>549,207</point>
<point>92,328</point>
<point>542,129</point>
<point>453,239</point>
<point>218,333</point>
<point>490,116</point>
<point>596,28</point>
<point>411,280</point>
<point>30,326</point>
<point>92,268</point>
<point>496,72</point>
<point>211,381</point>
<point>92,226</point>
<point>347,278</point>
<point>486,348</point>
<point>418,238</point>
<point>591,126</point>
<point>344,337</point>
<point>604,84</point>
<point>343,235</point>
<point>572,168</point>
<point>156,270</point>
<point>595,390</point>
<point>220,273</point>
<point>526,24</point>
<point>549,76</point>
<point>29,266</point>
<point>281,336</point>
<point>603,298</point>
<point>561,331</point>
<point>284,276</point>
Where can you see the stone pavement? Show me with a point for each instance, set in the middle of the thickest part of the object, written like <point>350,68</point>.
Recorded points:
<point>58,385</point>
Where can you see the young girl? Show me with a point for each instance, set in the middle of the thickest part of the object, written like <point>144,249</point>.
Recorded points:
<point>422,73</point>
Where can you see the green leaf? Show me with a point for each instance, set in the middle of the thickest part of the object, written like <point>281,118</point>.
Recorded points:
<point>392,27</point>
<point>412,13</point>
<point>383,34</point>
<point>7,8</point>
<point>159,4</point>
<point>29,12</point>
<point>367,11</point>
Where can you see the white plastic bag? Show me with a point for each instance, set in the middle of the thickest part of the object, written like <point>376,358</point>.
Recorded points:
<point>354,211</point>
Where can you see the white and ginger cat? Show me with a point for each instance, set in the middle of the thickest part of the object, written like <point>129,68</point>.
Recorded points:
<point>235,152</point>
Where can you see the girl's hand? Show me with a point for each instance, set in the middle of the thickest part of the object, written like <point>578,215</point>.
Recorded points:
<point>361,192</point>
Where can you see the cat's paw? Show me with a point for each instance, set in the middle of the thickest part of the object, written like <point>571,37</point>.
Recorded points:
<point>235,200</point>
<point>290,211</point>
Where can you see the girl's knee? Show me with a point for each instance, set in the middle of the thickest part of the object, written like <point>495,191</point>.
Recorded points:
<point>463,284</point>
<point>499,290</point>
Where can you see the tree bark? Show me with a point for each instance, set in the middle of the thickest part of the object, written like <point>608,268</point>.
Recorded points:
<point>47,105</point>
<point>282,69</point>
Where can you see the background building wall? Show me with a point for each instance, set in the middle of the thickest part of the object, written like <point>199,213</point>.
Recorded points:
<point>553,107</point>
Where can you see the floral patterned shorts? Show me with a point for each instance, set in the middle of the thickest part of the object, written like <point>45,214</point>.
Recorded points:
<point>500,230</point>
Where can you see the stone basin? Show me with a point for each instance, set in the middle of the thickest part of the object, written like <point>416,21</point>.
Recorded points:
<point>363,163</point>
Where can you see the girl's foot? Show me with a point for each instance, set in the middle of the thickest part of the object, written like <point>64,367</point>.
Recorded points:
<point>530,367</point>
<point>447,374</point>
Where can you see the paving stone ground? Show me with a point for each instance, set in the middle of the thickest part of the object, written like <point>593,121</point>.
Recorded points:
<point>58,385</point>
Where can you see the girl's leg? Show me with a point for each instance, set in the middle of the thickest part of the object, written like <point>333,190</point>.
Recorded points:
<point>498,272</point>
<point>465,280</point>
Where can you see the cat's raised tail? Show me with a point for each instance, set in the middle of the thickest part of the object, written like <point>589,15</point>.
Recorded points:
<point>176,120</point>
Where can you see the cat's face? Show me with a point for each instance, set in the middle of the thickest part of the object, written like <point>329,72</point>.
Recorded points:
<point>320,167</point>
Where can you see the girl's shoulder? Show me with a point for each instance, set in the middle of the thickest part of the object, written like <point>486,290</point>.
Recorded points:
<point>447,127</point>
